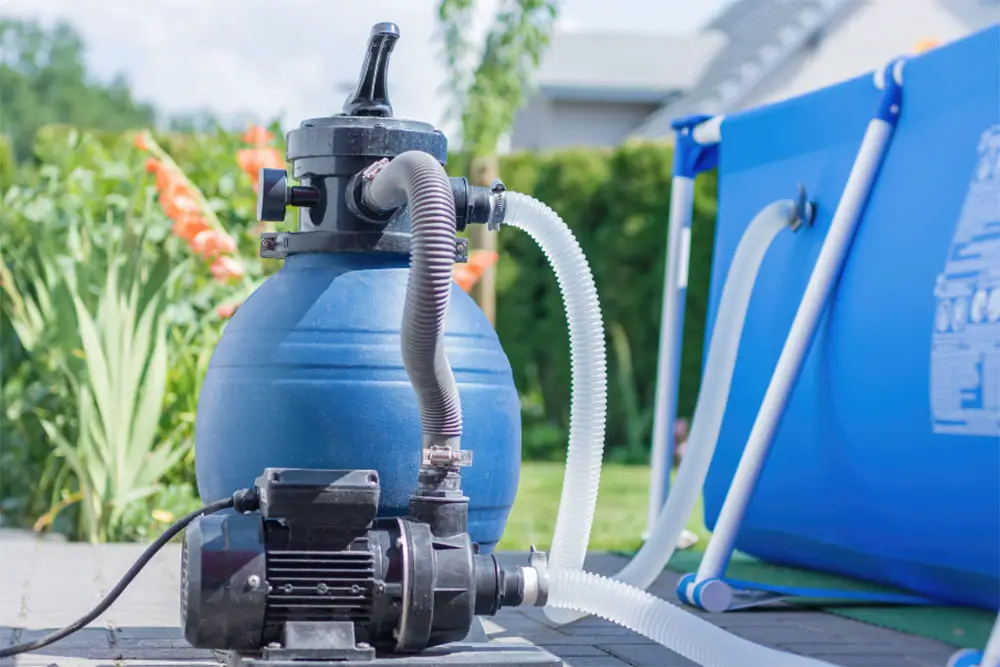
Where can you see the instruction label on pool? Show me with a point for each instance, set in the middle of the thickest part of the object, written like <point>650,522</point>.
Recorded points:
<point>965,345</point>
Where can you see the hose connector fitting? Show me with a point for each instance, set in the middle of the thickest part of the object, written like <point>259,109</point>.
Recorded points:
<point>442,456</point>
<point>498,209</point>
<point>359,195</point>
<point>805,210</point>
<point>536,579</point>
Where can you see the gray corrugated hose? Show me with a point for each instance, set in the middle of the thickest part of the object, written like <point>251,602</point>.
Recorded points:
<point>416,178</point>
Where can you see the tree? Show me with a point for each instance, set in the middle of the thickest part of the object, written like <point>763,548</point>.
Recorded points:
<point>43,80</point>
<point>487,95</point>
<point>194,122</point>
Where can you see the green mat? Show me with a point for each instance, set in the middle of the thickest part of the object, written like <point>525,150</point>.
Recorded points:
<point>959,626</point>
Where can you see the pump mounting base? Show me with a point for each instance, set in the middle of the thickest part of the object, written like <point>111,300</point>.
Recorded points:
<point>475,651</point>
<point>459,655</point>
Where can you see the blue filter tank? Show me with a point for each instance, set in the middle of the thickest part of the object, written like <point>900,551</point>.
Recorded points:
<point>309,372</point>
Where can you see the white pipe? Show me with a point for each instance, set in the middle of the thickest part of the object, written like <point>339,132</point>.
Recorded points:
<point>684,633</point>
<point>817,293</point>
<point>588,367</point>
<point>671,337</point>
<point>654,555</point>
<point>669,352</point>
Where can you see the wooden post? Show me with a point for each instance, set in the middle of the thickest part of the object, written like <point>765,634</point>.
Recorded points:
<point>482,171</point>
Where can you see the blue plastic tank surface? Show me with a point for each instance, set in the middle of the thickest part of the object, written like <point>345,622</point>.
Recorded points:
<point>886,465</point>
<point>309,374</point>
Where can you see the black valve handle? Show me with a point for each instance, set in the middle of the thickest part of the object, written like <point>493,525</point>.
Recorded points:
<point>371,97</point>
<point>275,195</point>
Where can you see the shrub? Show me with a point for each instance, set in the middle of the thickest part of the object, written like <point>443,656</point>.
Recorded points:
<point>617,204</point>
<point>117,273</point>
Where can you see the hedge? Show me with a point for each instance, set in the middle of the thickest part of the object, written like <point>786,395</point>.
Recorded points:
<point>617,204</point>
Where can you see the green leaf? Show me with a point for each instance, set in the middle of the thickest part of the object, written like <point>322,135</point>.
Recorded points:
<point>98,371</point>
<point>40,210</point>
<point>147,416</point>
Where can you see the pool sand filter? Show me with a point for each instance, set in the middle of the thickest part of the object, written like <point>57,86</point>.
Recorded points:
<point>349,523</point>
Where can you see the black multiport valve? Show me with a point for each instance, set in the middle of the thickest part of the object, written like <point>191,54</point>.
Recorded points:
<point>327,156</point>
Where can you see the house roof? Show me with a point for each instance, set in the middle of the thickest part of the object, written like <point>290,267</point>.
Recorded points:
<point>625,66</point>
<point>761,35</point>
<point>974,13</point>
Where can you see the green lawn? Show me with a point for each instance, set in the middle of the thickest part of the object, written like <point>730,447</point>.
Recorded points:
<point>621,509</point>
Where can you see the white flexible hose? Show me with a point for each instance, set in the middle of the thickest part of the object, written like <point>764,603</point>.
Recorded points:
<point>713,395</point>
<point>665,623</point>
<point>588,367</point>
<point>654,555</point>
<point>572,592</point>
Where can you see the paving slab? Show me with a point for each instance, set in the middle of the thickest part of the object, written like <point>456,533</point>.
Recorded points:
<point>49,583</point>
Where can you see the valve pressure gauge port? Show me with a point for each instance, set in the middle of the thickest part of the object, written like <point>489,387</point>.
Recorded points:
<point>274,195</point>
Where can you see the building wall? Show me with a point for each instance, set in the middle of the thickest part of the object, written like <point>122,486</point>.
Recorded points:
<point>545,124</point>
<point>877,33</point>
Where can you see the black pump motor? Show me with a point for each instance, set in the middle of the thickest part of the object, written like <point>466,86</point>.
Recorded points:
<point>305,570</point>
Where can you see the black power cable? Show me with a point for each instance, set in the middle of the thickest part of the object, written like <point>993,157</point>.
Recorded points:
<point>124,582</point>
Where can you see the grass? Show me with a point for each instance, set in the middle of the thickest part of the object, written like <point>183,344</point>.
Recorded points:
<point>620,519</point>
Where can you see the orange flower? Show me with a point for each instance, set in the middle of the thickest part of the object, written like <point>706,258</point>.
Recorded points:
<point>481,260</point>
<point>177,205</point>
<point>246,159</point>
<point>467,275</point>
<point>227,269</point>
<point>175,194</point>
<point>189,225</point>
<point>169,182</point>
<point>210,243</point>
<point>251,160</point>
<point>226,310</point>
<point>464,276</point>
<point>182,203</point>
<point>257,136</point>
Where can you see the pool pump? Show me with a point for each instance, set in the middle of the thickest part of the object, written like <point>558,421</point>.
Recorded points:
<point>304,571</point>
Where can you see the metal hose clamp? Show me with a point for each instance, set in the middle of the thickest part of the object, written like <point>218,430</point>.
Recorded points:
<point>536,578</point>
<point>439,456</point>
<point>499,205</point>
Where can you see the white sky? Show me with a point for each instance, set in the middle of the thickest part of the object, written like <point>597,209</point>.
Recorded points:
<point>268,57</point>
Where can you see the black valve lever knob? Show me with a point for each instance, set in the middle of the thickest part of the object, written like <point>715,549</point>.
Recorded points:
<point>371,97</point>
<point>274,195</point>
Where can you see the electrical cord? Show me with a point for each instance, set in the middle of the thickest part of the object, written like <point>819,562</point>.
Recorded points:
<point>239,500</point>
